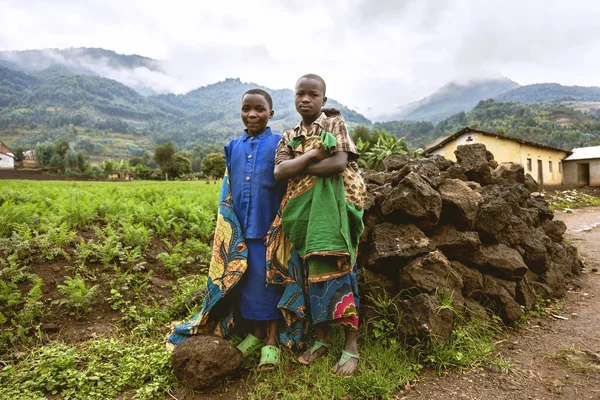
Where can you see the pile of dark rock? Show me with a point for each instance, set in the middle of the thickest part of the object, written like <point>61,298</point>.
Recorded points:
<point>474,231</point>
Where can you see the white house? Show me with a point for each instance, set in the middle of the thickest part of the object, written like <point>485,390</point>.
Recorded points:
<point>583,167</point>
<point>7,158</point>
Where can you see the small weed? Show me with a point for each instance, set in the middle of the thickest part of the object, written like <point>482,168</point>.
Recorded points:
<point>78,297</point>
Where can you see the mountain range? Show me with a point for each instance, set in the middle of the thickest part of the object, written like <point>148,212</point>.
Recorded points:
<point>110,105</point>
<point>461,95</point>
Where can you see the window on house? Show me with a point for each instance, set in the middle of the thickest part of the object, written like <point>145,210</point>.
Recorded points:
<point>550,165</point>
<point>529,164</point>
<point>560,167</point>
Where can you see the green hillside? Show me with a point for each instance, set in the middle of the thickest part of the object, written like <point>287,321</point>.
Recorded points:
<point>108,119</point>
<point>556,125</point>
<point>550,93</point>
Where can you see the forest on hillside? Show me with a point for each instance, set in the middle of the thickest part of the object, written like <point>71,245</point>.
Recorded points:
<point>108,119</point>
<point>553,124</point>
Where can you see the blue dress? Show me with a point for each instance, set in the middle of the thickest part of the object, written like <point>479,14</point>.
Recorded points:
<point>256,198</point>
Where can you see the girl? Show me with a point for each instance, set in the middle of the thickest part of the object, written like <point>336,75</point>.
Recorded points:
<point>250,198</point>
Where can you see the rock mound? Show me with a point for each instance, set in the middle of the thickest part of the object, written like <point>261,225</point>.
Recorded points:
<point>473,229</point>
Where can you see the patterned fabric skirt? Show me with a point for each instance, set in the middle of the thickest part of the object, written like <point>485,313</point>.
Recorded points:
<point>333,300</point>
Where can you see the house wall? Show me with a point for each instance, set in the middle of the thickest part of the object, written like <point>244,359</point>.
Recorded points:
<point>571,172</point>
<point>6,161</point>
<point>506,150</point>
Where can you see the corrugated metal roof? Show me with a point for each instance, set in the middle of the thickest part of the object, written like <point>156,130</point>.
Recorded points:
<point>584,153</point>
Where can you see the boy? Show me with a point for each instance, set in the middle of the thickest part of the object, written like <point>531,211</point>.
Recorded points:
<point>322,216</point>
<point>250,198</point>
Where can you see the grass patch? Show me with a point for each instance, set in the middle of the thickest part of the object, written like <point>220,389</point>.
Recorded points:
<point>98,369</point>
<point>570,199</point>
<point>382,371</point>
<point>577,359</point>
<point>471,344</point>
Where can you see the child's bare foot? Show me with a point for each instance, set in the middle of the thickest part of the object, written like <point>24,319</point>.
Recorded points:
<point>349,359</point>
<point>346,365</point>
<point>320,347</point>
<point>317,351</point>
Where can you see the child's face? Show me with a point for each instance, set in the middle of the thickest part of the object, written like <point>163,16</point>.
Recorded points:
<point>256,113</point>
<point>309,98</point>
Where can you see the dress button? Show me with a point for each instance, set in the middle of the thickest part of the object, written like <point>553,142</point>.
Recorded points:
<point>247,178</point>
<point>249,155</point>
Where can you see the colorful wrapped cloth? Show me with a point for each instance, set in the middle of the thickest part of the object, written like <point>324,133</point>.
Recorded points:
<point>322,217</point>
<point>227,266</point>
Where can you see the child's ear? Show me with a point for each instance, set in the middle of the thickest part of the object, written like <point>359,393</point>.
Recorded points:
<point>324,100</point>
<point>271,114</point>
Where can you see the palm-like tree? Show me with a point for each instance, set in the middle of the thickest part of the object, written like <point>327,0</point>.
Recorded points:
<point>387,145</point>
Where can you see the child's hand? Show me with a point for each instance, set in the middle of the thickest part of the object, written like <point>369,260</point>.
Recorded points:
<point>318,154</point>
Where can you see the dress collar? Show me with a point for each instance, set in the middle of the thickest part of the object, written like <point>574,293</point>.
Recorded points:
<point>260,136</point>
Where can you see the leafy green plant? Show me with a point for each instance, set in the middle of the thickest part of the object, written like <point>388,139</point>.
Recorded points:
<point>79,298</point>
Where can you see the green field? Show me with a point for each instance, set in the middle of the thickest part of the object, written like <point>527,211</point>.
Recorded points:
<point>92,274</point>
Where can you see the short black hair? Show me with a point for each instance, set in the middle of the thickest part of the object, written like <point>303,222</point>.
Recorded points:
<point>316,78</point>
<point>263,93</point>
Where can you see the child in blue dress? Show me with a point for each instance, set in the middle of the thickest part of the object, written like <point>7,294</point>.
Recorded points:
<point>250,198</point>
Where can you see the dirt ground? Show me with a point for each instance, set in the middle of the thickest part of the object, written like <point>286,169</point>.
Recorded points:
<point>535,374</point>
<point>33,174</point>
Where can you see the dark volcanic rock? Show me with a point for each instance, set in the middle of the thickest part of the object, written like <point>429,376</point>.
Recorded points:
<point>426,168</point>
<point>428,274</point>
<point>421,316</point>
<point>472,279</point>
<point>510,172</point>
<point>415,198</point>
<point>202,361</point>
<point>397,241</point>
<point>531,184</point>
<point>502,295</point>
<point>374,177</point>
<point>395,162</point>
<point>525,294</point>
<point>473,159</point>
<point>460,203</point>
<point>544,211</point>
<point>456,245</point>
<point>504,261</point>
<point>441,162</point>
<point>454,172</point>
<point>492,218</point>
<point>554,229</point>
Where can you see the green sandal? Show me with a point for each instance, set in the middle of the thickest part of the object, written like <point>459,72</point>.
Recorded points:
<point>346,356</point>
<point>312,351</point>
<point>270,357</point>
<point>250,344</point>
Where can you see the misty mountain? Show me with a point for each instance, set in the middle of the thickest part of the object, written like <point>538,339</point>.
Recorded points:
<point>550,93</point>
<point>452,98</point>
<point>131,70</point>
<point>107,118</point>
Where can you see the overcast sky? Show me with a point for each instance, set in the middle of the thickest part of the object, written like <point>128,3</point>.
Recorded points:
<point>375,55</point>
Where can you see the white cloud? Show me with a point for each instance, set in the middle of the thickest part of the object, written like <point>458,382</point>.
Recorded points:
<point>375,55</point>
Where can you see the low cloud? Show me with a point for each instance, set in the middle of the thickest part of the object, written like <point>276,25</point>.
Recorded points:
<point>375,56</point>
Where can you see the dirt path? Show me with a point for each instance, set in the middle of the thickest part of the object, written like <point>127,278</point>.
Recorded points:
<point>534,373</point>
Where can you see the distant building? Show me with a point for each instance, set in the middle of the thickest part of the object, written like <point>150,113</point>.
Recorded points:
<point>29,160</point>
<point>7,158</point>
<point>583,167</point>
<point>542,162</point>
